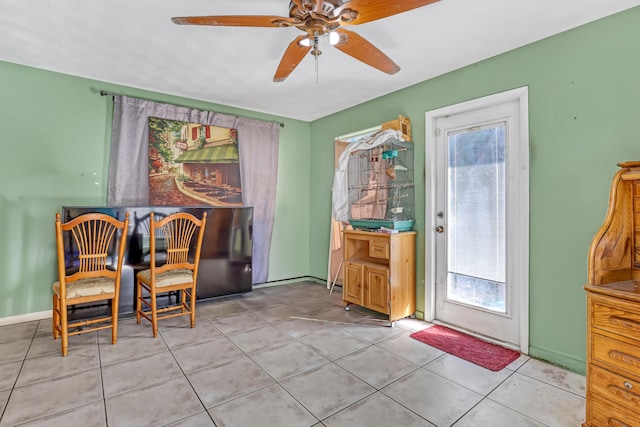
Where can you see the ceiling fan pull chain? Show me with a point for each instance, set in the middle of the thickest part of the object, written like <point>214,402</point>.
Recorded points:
<point>316,52</point>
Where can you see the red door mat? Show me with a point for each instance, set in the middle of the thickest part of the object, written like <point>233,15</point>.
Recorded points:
<point>482,353</point>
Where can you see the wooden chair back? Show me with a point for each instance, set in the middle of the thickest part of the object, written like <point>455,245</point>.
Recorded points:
<point>182,235</point>
<point>91,248</point>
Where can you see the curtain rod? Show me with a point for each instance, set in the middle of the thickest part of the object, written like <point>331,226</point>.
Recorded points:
<point>105,93</point>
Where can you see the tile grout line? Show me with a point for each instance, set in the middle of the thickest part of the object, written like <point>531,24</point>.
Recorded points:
<point>184,374</point>
<point>13,387</point>
<point>104,396</point>
<point>545,382</point>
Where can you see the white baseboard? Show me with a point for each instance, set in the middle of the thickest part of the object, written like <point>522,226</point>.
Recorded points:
<point>289,281</point>
<point>559,359</point>
<point>28,317</point>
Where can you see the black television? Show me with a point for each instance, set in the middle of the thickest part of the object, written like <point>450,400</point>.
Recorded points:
<point>225,258</point>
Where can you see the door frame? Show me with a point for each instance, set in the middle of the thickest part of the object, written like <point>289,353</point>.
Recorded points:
<point>521,95</point>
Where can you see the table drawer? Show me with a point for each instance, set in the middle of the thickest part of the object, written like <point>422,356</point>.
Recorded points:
<point>616,388</point>
<point>379,249</point>
<point>616,353</point>
<point>615,319</point>
<point>602,413</point>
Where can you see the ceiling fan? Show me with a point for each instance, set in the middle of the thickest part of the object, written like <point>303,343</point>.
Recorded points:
<point>318,18</point>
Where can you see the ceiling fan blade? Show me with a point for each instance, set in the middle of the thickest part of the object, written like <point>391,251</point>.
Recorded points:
<point>371,10</point>
<point>236,21</point>
<point>292,57</point>
<point>358,47</point>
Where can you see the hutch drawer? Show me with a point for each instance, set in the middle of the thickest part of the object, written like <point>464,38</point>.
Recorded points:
<point>615,354</point>
<point>616,388</point>
<point>602,413</point>
<point>617,319</point>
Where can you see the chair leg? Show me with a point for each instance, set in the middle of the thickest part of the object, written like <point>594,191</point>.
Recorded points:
<point>154,312</point>
<point>56,317</point>
<point>138,291</point>
<point>64,328</point>
<point>192,301</point>
<point>114,320</point>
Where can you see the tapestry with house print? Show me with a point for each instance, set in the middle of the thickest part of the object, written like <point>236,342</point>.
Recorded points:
<point>193,164</point>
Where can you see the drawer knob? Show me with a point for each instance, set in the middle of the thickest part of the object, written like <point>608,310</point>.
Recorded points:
<point>624,394</point>
<point>628,385</point>
<point>625,323</point>
<point>624,358</point>
<point>612,422</point>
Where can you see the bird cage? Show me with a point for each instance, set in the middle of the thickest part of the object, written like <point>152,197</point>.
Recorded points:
<point>380,183</point>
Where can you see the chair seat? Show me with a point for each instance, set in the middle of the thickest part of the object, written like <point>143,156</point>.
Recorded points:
<point>87,287</point>
<point>168,278</point>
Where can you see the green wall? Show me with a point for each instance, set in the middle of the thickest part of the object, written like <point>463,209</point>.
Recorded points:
<point>583,103</point>
<point>584,109</point>
<point>55,148</point>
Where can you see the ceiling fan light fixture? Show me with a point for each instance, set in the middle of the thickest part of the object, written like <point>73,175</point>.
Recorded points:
<point>334,38</point>
<point>307,41</point>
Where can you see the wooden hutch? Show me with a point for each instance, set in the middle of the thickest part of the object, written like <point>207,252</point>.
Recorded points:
<point>613,308</point>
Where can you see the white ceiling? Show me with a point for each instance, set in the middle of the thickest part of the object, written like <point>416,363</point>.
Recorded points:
<point>134,43</point>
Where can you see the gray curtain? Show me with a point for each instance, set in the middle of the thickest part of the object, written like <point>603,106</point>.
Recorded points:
<point>257,143</point>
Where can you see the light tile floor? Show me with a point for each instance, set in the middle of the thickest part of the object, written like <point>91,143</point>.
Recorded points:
<point>282,356</point>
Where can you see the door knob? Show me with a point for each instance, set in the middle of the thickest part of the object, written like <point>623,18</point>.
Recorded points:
<point>440,229</point>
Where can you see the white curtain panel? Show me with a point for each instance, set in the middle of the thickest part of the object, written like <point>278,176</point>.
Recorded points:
<point>257,143</point>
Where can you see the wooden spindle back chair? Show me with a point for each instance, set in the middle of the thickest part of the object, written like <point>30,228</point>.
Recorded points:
<point>95,276</point>
<point>182,235</point>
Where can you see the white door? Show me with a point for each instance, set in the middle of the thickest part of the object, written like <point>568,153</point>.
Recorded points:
<point>479,221</point>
